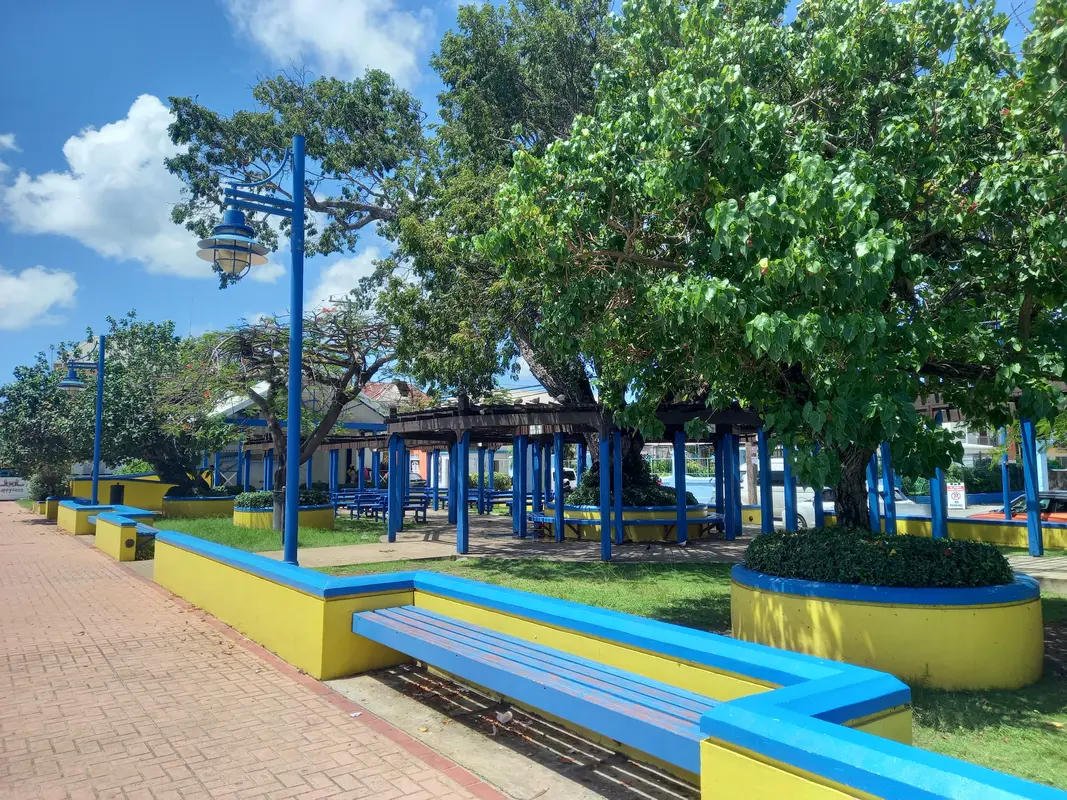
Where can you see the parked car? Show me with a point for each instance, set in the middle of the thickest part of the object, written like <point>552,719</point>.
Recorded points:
<point>1053,507</point>
<point>806,506</point>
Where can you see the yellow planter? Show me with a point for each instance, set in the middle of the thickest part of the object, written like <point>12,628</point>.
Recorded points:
<point>117,536</point>
<point>139,492</point>
<point>51,508</point>
<point>310,517</point>
<point>631,533</point>
<point>74,517</point>
<point>959,639</point>
<point>197,507</point>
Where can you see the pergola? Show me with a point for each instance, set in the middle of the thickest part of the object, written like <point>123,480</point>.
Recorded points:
<point>538,434</point>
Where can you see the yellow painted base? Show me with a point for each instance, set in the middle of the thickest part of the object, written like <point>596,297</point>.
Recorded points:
<point>118,541</point>
<point>51,509</point>
<point>946,647</point>
<point>751,515</point>
<point>728,773</point>
<point>37,507</point>
<point>630,533</point>
<point>1004,535</point>
<point>694,677</point>
<point>322,518</point>
<point>75,520</point>
<point>307,631</point>
<point>184,508</point>
<point>146,493</point>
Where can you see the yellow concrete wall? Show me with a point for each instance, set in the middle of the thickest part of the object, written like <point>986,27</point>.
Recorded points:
<point>730,773</point>
<point>312,518</point>
<point>1006,535</point>
<point>146,493</point>
<point>307,631</point>
<point>948,647</point>
<point>51,509</point>
<point>184,508</point>
<point>75,520</point>
<point>693,677</point>
<point>118,541</point>
<point>631,533</point>
<point>751,515</point>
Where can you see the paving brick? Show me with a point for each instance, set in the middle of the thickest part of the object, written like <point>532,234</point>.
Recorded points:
<point>111,687</point>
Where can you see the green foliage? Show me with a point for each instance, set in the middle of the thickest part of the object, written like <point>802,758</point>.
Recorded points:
<point>640,487</point>
<point>135,466</point>
<point>36,430</point>
<point>977,479</point>
<point>852,555</point>
<point>822,219</point>
<point>263,500</point>
<point>50,483</point>
<point>501,481</point>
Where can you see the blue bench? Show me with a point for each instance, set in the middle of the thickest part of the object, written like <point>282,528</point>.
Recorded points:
<point>357,501</point>
<point>701,524</point>
<point>645,714</point>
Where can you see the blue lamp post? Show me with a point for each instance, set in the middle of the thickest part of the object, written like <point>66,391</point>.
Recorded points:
<point>72,384</point>
<point>234,251</point>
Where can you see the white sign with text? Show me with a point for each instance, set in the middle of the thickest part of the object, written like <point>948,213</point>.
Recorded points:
<point>957,495</point>
<point>14,488</point>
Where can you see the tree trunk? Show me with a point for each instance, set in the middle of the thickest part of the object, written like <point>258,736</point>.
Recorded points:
<point>278,521</point>
<point>851,505</point>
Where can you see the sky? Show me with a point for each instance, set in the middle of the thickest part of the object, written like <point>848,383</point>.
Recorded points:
<point>85,200</point>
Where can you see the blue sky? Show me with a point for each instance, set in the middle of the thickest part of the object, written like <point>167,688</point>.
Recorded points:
<point>84,197</point>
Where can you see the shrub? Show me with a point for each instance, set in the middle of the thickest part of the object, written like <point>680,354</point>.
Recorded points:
<point>639,487</point>
<point>137,466</point>
<point>49,483</point>
<point>501,481</point>
<point>264,500</point>
<point>852,555</point>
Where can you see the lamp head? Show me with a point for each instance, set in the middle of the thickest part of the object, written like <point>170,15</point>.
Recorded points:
<point>231,246</point>
<point>72,384</point>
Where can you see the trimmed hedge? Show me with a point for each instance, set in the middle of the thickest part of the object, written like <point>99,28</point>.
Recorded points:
<point>850,555</point>
<point>264,500</point>
<point>639,487</point>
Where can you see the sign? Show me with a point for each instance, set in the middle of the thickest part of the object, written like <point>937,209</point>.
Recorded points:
<point>14,488</point>
<point>957,495</point>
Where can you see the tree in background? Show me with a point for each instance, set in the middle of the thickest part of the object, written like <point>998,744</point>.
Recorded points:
<point>345,346</point>
<point>824,219</point>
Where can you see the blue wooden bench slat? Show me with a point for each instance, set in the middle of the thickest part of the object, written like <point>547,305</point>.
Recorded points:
<point>642,725</point>
<point>676,702</point>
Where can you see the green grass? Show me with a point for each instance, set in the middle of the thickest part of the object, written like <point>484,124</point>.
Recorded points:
<point>223,531</point>
<point>25,503</point>
<point>1015,732</point>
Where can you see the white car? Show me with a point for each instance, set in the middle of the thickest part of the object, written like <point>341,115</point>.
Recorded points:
<point>806,506</point>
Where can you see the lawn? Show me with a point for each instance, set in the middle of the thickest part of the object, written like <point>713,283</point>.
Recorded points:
<point>25,503</point>
<point>1023,733</point>
<point>223,531</point>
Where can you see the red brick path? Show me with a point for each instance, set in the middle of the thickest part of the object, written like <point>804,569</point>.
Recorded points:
<point>111,687</point>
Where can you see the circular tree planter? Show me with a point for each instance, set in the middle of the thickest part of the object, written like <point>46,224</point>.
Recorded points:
<point>645,531</point>
<point>977,638</point>
<point>310,517</point>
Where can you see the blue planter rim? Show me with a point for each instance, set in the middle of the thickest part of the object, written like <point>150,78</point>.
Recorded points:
<point>271,508</point>
<point>1022,588</point>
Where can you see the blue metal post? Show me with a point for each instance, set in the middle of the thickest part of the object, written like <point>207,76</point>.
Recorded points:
<point>248,471</point>
<point>405,475</point>
<point>872,494</point>
<point>307,471</point>
<point>790,487</point>
<point>1030,484</point>
<point>727,455</point>
<point>435,476</point>
<point>735,445</point>
<point>361,462</point>
<point>766,497</point>
<point>462,511</point>
<point>545,479</point>
<point>515,485</point>
<point>392,513</point>
<point>492,481</point>
<point>522,486</point>
<point>817,507</point>
<point>720,487</point>
<point>605,497</point>
<point>938,499</point>
<point>557,466</point>
<point>335,463</point>
<point>268,471</point>
<point>679,487</point>
<point>579,470</point>
<point>376,468</point>
<point>1005,476</point>
<point>240,464</point>
<point>216,469</point>
<point>98,423</point>
<point>453,472</point>
<point>296,354</point>
<point>481,480</point>
<point>538,499</point>
<point>616,462</point>
<point>889,486</point>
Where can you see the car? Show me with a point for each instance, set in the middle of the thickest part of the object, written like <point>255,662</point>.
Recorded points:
<point>1053,507</point>
<point>806,506</point>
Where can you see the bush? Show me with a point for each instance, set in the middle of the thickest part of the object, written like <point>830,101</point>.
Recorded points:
<point>501,481</point>
<point>49,483</point>
<point>264,500</point>
<point>639,487</point>
<point>137,466</point>
<point>852,555</point>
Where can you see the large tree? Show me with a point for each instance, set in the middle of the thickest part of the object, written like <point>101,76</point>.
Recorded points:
<point>346,344</point>
<point>823,218</point>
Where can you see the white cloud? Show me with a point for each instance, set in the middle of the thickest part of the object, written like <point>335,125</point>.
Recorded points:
<point>341,277</point>
<point>268,273</point>
<point>7,142</point>
<point>28,297</point>
<point>339,37</point>
<point>115,196</point>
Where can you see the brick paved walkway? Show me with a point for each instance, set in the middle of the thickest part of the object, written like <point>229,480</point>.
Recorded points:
<point>110,687</point>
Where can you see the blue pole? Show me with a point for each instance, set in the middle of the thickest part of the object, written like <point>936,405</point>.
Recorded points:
<point>538,499</point>
<point>240,464</point>
<point>248,471</point>
<point>361,462</point>
<point>790,487</point>
<point>1030,484</point>
<point>296,354</point>
<point>616,459</point>
<point>435,476</point>
<point>889,489</point>
<point>462,520</point>
<point>492,481</point>
<point>98,424</point>
<point>726,454</point>
<point>579,470</point>
<point>1005,477</point>
<point>307,471</point>
<point>522,486</point>
<point>872,494</point>
<point>481,480</point>
<point>268,471</point>
<point>605,497</point>
<point>766,498</point>
<point>453,456</point>
<point>376,468</point>
<point>515,485</point>
<point>335,462</point>
<point>735,476</point>
<point>546,474</point>
<point>557,465</point>
<point>938,499</point>
<point>392,512</point>
<point>679,487</point>
<point>216,469</point>
<point>720,487</point>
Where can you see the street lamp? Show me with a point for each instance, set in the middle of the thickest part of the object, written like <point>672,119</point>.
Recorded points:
<point>72,384</point>
<point>233,250</point>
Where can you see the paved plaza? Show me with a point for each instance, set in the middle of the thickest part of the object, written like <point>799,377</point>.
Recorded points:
<point>112,688</point>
